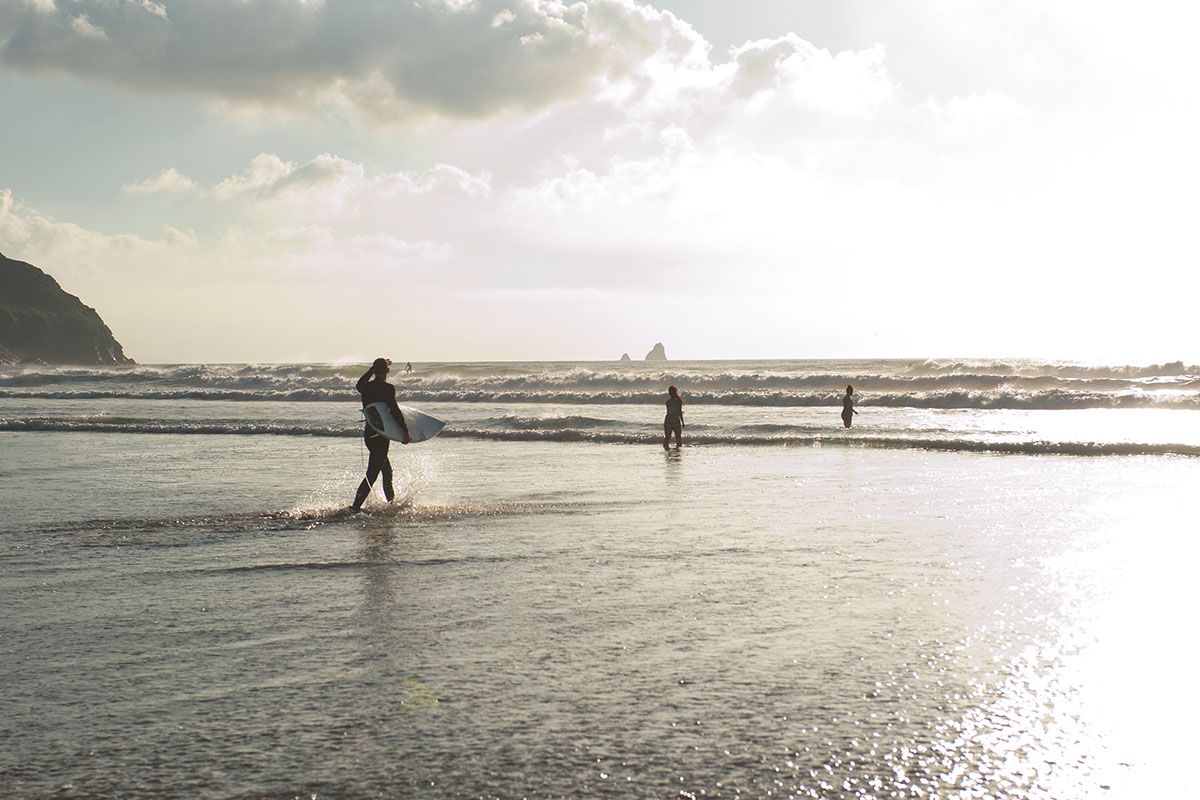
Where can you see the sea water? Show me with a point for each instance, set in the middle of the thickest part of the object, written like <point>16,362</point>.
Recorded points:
<point>986,588</point>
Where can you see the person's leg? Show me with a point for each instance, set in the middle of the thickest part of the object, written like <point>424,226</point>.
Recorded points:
<point>374,466</point>
<point>385,469</point>
<point>679,434</point>
<point>666,435</point>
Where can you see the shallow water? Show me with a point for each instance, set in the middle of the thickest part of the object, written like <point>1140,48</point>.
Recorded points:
<point>196,616</point>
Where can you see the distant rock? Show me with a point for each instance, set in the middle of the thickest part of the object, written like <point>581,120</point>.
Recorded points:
<point>40,323</point>
<point>625,357</point>
<point>657,353</point>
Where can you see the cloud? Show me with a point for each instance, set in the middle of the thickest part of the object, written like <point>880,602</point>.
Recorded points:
<point>849,82</point>
<point>86,29</point>
<point>383,60</point>
<point>40,238</point>
<point>169,180</point>
<point>978,109</point>
<point>332,186</point>
<point>401,61</point>
<point>323,252</point>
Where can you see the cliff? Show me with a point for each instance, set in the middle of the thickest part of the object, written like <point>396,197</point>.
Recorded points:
<point>41,323</point>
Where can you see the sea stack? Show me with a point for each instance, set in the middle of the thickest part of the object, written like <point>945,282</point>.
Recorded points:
<point>42,324</point>
<point>657,353</point>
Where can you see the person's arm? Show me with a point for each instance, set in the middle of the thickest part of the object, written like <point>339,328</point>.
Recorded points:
<point>361,386</point>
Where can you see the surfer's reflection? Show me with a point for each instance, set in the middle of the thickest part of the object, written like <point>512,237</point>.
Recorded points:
<point>674,459</point>
<point>374,388</point>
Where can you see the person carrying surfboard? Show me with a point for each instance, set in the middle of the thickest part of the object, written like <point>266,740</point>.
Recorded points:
<point>673,423</point>
<point>374,388</point>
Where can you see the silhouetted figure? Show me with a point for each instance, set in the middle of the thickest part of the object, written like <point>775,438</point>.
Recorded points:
<point>408,366</point>
<point>848,410</point>
<point>673,423</point>
<point>374,388</point>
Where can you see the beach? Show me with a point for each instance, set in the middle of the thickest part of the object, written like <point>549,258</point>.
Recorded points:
<point>945,601</point>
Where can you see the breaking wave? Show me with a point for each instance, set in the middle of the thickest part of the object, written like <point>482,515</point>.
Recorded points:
<point>1183,396</point>
<point>982,384</point>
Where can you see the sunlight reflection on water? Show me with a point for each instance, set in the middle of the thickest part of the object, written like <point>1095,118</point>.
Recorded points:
<point>603,622</point>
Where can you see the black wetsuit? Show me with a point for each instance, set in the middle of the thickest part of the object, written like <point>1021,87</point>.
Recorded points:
<point>374,390</point>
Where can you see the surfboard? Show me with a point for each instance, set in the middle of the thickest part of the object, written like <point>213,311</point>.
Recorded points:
<point>420,426</point>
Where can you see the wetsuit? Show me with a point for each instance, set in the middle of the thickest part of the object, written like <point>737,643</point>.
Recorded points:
<point>376,391</point>
<point>847,409</point>
<point>673,422</point>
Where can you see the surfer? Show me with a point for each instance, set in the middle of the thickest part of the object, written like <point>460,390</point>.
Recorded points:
<point>408,367</point>
<point>673,423</point>
<point>374,388</point>
<point>848,410</point>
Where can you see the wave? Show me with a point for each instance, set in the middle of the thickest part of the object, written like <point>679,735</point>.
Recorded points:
<point>280,381</point>
<point>1054,399</point>
<point>1027,368</point>
<point>549,423</point>
<point>235,395</point>
<point>834,440</point>
<point>60,425</point>
<point>794,438</point>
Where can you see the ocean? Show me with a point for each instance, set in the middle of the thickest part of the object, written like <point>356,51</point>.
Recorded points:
<point>984,589</point>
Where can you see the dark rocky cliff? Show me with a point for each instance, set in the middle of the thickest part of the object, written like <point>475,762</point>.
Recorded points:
<point>40,323</point>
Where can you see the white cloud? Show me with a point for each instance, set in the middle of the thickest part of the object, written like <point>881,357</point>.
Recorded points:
<point>269,176</point>
<point>40,6</point>
<point>87,29</point>
<point>41,239</point>
<point>978,109</point>
<point>322,252</point>
<point>332,186</point>
<point>169,180</point>
<point>174,237</point>
<point>306,236</point>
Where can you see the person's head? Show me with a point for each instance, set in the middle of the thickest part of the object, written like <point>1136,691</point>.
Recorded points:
<point>673,391</point>
<point>849,389</point>
<point>380,367</point>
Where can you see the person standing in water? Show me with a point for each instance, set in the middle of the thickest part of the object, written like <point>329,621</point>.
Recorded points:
<point>848,410</point>
<point>374,388</point>
<point>673,423</point>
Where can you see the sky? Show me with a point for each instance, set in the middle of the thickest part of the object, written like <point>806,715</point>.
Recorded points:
<point>309,180</point>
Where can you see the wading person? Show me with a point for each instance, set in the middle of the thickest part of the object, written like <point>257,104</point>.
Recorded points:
<point>374,388</point>
<point>673,423</point>
<point>848,410</point>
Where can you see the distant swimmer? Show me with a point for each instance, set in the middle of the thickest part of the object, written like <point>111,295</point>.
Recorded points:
<point>848,410</point>
<point>374,388</point>
<point>673,423</point>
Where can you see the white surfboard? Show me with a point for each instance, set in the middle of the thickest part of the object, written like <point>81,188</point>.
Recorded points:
<point>420,426</point>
